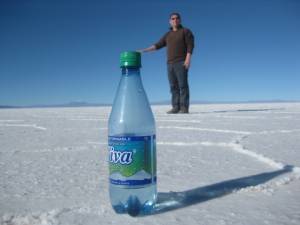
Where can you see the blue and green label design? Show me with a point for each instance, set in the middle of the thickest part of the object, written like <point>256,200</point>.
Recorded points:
<point>132,160</point>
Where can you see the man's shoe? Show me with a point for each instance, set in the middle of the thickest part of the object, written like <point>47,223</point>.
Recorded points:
<point>173,111</point>
<point>184,110</point>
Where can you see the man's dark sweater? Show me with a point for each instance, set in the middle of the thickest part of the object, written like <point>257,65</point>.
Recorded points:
<point>178,43</point>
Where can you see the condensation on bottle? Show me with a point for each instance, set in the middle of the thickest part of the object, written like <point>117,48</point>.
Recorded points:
<point>132,143</point>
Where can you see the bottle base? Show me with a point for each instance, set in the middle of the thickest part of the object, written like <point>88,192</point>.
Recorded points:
<point>134,207</point>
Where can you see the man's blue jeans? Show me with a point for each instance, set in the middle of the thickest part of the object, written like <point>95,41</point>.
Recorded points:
<point>178,80</point>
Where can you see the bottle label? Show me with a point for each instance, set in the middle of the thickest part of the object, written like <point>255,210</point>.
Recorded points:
<point>132,160</point>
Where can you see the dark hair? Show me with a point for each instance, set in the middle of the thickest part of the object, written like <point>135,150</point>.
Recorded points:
<point>175,14</point>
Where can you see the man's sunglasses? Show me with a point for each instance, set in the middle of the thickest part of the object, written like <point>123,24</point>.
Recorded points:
<point>175,18</point>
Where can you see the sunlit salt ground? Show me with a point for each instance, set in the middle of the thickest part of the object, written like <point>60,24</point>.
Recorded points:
<point>220,164</point>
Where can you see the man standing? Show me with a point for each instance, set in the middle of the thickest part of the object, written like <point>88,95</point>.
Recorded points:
<point>180,43</point>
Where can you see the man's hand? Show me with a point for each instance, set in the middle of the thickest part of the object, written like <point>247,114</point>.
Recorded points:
<point>187,61</point>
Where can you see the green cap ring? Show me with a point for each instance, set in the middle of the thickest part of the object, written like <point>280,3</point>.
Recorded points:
<point>130,59</point>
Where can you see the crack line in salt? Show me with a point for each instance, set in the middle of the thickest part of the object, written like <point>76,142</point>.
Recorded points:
<point>24,125</point>
<point>277,131</point>
<point>229,131</point>
<point>180,121</point>
<point>11,121</point>
<point>205,129</point>
<point>97,143</point>
<point>269,186</point>
<point>87,119</point>
<point>239,148</point>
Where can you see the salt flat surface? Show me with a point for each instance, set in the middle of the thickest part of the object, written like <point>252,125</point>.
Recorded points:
<point>220,164</point>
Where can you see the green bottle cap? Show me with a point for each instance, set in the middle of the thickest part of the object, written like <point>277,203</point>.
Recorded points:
<point>130,59</point>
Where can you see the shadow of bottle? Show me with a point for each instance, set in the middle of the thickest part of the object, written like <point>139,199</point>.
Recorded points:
<point>176,200</point>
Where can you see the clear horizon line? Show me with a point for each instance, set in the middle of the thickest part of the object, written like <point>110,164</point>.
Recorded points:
<point>163,102</point>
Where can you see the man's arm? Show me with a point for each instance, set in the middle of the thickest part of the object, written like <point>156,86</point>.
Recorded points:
<point>189,41</point>
<point>150,49</point>
<point>160,44</point>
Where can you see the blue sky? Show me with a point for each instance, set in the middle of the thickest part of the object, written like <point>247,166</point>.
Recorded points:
<point>55,51</point>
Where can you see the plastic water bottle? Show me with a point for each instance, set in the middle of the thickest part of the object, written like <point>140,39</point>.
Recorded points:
<point>131,143</point>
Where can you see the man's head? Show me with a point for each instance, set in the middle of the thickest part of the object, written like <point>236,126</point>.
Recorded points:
<point>175,20</point>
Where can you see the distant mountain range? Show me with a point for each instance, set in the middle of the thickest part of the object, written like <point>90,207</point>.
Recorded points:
<point>86,104</point>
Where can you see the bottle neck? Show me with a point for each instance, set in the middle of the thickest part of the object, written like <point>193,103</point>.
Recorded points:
<point>130,70</point>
